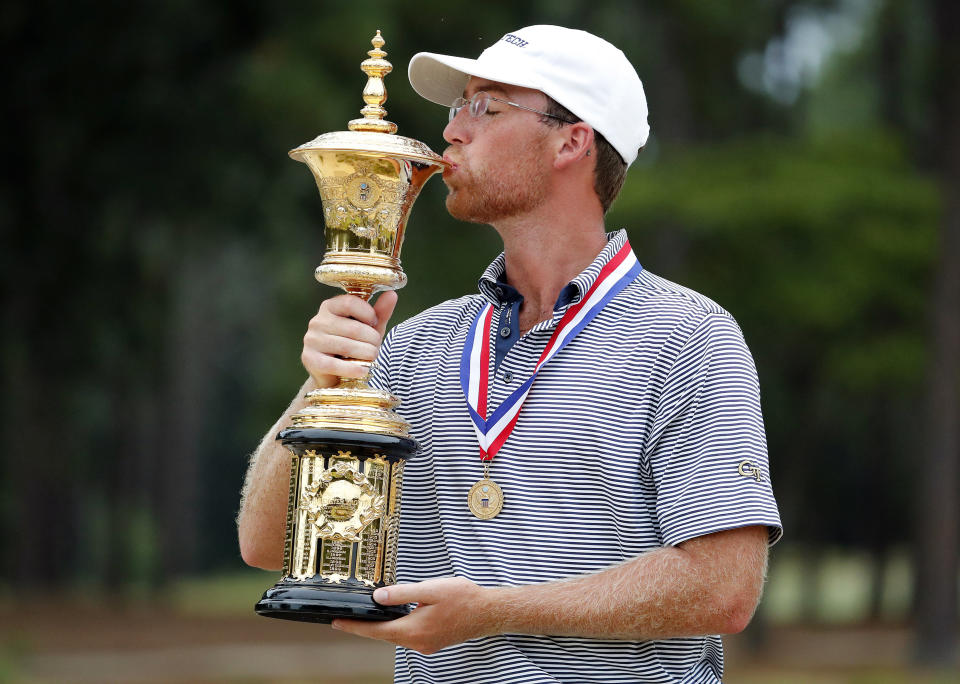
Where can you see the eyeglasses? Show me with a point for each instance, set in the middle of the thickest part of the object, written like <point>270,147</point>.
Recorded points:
<point>481,100</point>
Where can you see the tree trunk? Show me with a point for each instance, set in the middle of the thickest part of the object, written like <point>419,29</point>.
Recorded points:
<point>939,501</point>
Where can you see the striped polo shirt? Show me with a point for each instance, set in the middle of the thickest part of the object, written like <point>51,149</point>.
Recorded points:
<point>643,432</point>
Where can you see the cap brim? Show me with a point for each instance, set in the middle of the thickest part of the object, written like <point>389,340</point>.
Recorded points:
<point>440,78</point>
<point>443,78</point>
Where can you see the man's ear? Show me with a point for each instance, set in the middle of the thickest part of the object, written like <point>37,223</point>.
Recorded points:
<point>575,143</point>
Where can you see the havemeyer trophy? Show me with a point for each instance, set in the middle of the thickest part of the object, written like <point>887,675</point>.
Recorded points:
<point>348,445</point>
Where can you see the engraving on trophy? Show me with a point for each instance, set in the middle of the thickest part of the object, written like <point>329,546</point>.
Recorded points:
<point>396,485</point>
<point>367,553</point>
<point>393,523</point>
<point>335,561</point>
<point>370,551</point>
<point>341,503</point>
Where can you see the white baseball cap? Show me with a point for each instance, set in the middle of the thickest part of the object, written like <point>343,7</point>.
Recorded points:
<point>584,73</point>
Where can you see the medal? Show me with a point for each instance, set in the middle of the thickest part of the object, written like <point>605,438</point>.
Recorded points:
<point>486,497</point>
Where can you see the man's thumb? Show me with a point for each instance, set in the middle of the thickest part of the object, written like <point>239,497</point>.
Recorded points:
<point>384,307</point>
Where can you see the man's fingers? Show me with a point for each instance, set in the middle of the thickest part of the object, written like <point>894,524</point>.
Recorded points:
<point>321,365</point>
<point>398,594</point>
<point>384,307</point>
<point>339,345</point>
<point>325,324</point>
<point>349,306</point>
<point>371,629</point>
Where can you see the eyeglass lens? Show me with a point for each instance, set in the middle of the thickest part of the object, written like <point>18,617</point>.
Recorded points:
<point>477,105</point>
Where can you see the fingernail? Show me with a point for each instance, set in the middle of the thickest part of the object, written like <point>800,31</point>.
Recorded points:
<point>381,595</point>
<point>335,624</point>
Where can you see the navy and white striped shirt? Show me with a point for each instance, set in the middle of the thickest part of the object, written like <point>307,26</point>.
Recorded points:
<point>644,431</point>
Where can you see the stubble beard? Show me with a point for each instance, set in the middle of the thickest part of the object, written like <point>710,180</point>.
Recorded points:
<point>491,194</point>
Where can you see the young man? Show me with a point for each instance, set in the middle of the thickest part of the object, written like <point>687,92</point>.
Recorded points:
<point>636,501</point>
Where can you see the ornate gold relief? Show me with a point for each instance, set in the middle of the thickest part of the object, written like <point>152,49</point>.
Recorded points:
<point>305,539</point>
<point>365,202</point>
<point>291,516</point>
<point>341,503</point>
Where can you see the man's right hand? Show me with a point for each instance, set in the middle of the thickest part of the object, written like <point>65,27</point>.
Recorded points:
<point>345,327</point>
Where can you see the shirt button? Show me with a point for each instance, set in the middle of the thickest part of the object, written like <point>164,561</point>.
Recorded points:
<point>507,376</point>
<point>500,292</point>
<point>505,331</point>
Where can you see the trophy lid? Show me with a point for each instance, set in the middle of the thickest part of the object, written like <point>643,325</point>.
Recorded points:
<point>372,134</point>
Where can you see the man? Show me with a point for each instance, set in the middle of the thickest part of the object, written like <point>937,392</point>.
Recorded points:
<point>617,413</point>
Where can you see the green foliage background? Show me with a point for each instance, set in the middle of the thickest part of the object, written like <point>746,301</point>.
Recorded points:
<point>158,247</point>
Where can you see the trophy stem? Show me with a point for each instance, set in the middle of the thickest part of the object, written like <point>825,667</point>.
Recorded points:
<point>364,293</point>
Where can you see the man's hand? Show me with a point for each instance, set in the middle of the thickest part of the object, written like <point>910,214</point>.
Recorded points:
<point>449,611</point>
<point>345,327</point>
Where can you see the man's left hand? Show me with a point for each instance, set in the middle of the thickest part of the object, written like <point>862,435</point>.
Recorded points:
<point>449,611</point>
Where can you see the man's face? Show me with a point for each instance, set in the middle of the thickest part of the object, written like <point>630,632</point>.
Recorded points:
<point>499,161</point>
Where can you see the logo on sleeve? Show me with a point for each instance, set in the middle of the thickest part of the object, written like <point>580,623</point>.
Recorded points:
<point>515,40</point>
<point>749,469</point>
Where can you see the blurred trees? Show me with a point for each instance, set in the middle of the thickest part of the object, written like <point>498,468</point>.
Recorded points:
<point>158,245</point>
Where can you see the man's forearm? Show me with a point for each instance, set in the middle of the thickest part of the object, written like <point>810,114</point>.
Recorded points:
<point>710,585</point>
<point>262,519</point>
<point>707,585</point>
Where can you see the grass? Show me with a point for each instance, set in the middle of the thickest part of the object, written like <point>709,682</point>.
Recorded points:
<point>841,587</point>
<point>763,675</point>
<point>226,594</point>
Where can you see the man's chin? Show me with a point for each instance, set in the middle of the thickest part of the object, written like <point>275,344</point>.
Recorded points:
<point>456,208</point>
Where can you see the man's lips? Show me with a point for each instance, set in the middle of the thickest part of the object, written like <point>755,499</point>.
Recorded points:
<point>451,165</point>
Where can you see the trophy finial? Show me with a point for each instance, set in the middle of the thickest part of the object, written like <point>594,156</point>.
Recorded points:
<point>375,93</point>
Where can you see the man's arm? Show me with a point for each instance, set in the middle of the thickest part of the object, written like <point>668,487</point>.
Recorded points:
<point>261,523</point>
<point>707,585</point>
<point>345,326</point>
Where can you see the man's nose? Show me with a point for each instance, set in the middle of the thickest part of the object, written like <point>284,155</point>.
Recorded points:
<point>457,130</point>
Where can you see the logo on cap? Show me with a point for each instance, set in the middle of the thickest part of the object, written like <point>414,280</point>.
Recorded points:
<point>515,40</point>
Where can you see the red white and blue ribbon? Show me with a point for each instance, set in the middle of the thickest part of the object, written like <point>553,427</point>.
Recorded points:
<point>494,430</point>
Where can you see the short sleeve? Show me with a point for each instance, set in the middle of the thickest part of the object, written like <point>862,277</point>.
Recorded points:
<point>708,452</point>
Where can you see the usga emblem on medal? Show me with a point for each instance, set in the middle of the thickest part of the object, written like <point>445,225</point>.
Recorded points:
<point>485,499</point>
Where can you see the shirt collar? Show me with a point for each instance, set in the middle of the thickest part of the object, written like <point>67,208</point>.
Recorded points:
<point>493,283</point>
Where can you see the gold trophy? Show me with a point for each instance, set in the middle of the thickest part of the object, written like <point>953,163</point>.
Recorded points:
<point>348,445</point>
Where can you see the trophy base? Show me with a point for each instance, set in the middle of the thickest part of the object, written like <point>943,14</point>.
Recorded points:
<point>306,603</point>
<point>330,569</point>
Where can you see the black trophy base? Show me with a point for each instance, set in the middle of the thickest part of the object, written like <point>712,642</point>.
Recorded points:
<point>316,599</point>
<point>312,603</point>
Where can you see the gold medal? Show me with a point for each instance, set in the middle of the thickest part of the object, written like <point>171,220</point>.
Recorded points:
<point>485,498</point>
